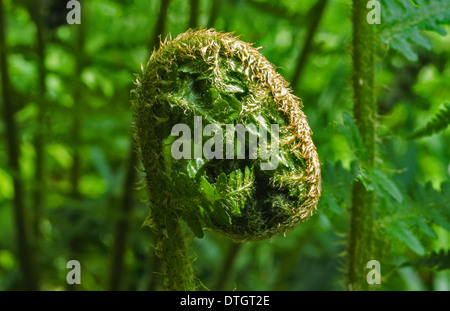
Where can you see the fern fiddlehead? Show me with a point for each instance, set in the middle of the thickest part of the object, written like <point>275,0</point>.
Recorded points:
<point>209,83</point>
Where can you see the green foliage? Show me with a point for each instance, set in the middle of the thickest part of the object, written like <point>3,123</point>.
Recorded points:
<point>404,217</point>
<point>439,123</point>
<point>352,134</point>
<point>413,220</point>
<point>416,5</point>
<point>403,23</point>
<point>375,180</point>
<point>409,180</point>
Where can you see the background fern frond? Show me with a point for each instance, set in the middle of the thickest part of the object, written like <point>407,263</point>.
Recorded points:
<point>435,260</point>
<point>402,23</point>
<point>413,220</point>
<point>439,123</point>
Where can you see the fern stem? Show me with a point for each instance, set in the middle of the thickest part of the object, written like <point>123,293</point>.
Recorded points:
<point>171,240</point>
<point>171,247</point>
<point>360,242</point>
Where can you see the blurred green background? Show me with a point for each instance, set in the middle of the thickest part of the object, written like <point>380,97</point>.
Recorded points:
<point>70,89</point>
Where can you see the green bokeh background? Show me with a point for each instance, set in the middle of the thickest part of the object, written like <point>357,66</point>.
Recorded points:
<point>312,257</point>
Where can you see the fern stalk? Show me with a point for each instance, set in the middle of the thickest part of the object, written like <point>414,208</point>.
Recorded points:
<point>171,247</point>
<point>364,109</point>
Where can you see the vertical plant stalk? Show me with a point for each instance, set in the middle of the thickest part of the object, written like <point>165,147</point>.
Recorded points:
<point>24,251</point>
<point>316,13</point>
<point>213,13</point>
<point>227,266</point>
<point>77,127</point>
<point>364,109</point>
<point>155,280</point>
<point>160,24</point>
<point>39,140</point>
<point>289,266</point>
<point>126,206</point>
<point>122,224</point>
<point>171,240</point>
<point>75,173</point>
<point>193,14</point>
<point>171,247</point>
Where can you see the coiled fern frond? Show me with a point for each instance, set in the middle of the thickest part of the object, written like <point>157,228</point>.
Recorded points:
<point>220,80</point>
